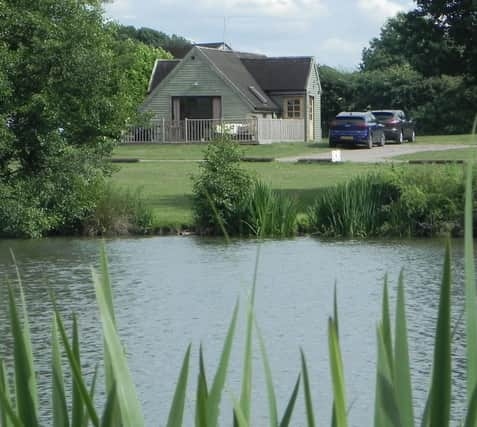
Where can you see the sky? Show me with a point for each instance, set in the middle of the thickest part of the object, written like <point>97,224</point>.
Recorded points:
<point>334,32</point>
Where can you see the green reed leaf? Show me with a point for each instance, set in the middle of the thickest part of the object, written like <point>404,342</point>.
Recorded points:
<point>108,419</point>
<point>5,390</point>
<point>131,414</point>
<point>60,407</point>
<point>470,291</point>
<point>272,400</point>
<point>24,371</point>
<point>76,371</point>
<point>218,384</point>
<point>176,413</point>
<point>471,416</point>
<point>310,413</point>
<point>337,375</point>
<point>202,394</point>
<point>402,371</point>
<point>386,326</point>
<point>291,404</point>
<point>441,376</point>
<point>11,418</point>
<point>77,404</point>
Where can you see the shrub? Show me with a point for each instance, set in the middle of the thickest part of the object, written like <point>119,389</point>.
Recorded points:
<point>402,201</point>
<point>220,189</point>
<point>119,212</point>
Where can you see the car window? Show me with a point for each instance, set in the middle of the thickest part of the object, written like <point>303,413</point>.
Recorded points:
<point>350,120</point>
<point>380,115</point>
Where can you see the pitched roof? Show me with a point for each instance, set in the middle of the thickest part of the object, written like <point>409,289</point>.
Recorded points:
<point>280,74</point>
<point>231,66</point>
<point>162,68</point>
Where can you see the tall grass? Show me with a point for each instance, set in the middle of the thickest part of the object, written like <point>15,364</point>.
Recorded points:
<point>269,213</point>
<point>353,208</point>
<point>393,398</point>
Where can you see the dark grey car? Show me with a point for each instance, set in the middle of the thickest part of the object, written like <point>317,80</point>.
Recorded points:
<point>396,126</point>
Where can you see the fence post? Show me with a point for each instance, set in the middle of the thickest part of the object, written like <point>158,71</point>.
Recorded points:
<point>185,129</point>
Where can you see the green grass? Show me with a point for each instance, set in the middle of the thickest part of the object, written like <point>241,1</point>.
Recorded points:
<point>167,186</point>
<point>196,151</point>
<point>446,139</point>
<point>455,154</point>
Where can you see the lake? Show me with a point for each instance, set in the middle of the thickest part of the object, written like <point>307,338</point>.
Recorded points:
<point>172,291</point>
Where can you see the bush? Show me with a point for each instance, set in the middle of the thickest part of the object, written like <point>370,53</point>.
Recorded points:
<point>403,201</point>
<point>220,189</point>
<point>119,212</point>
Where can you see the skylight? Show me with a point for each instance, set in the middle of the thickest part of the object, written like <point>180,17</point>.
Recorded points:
<point>258,95</point>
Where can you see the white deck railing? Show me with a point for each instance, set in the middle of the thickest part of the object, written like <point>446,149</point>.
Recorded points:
<point>252,130</point>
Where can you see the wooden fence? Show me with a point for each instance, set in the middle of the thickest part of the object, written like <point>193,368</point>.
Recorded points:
<point>252,131</point>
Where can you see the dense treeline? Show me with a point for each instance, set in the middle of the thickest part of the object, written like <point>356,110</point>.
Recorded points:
<point>69,84</point>
<point>424,61</point>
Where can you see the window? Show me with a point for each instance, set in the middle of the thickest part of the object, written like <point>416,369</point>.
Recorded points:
<point>293,108</point>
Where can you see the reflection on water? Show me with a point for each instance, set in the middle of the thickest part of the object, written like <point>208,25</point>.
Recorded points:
<point>170,291</point>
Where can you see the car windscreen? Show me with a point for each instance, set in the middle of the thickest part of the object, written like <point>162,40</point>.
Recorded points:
<point>349,120</point>
<point>383,115</point>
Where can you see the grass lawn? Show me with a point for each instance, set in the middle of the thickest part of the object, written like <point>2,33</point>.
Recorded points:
<point>167,186</point>
<point>446,139</point>
<point>196,151</point>
<point>457,154</point>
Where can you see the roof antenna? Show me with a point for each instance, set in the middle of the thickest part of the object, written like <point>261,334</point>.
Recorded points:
<point>225,29</point>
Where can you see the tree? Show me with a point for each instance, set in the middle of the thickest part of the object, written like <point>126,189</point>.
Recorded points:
<point>65,98</point>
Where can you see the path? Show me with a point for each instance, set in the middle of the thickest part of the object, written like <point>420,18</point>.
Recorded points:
<point>376,154</point>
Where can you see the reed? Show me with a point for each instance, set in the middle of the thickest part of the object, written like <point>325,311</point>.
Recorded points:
<point>353,208</point>
<point>270,213</point>
<point>393,403</point>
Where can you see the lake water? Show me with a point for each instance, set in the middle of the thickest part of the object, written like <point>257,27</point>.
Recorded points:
<point>172,291</point>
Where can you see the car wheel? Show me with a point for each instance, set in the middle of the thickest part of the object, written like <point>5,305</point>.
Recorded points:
<point>382,140</point>
<point>400,138</point>
<point>370,141</point>
<point>413,136</point>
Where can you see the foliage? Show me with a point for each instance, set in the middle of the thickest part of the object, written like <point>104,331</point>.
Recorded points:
<point>351,209</point>
<point>68,87</point>
<point>406,201</point>
<point>19,403</point>
<point>269,213</point>
<point>119,212</point>
<point>220,189</point>
<point>174,44</point>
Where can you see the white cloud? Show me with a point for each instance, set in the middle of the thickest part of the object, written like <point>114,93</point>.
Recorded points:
<point>282,8</point>
<point>380,9</point>
<point>340,52</point>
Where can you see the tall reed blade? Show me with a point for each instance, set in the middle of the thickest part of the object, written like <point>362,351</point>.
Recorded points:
<point>77,404</point>
<point>285,422</point>
<point>76,372</point>
<point>108,292</point>
<point>470,291</point>
<point>108,419</point>
<point>337,375</point>
<point>5,392</point>
<point>202,394</point>
<point>176,413</point>
<point>402,371</point>
<point>471,416</point>
<point>60,409</point>
<point>441,377</point>
<point>386,326</point>
<point>246,393</point>
<point>386,409</point>
<point>24,371</point>
<point>215,395</point>
<point>130,408</point>
<point>310,413</point>
<point>272,400</point>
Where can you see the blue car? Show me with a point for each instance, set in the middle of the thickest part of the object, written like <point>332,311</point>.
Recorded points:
<point>356,128</point>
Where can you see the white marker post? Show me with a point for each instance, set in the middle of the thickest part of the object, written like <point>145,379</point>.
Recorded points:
<point>336,156</point>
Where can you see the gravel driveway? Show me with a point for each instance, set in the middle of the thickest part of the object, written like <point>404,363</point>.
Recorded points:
<point>376,154</point>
